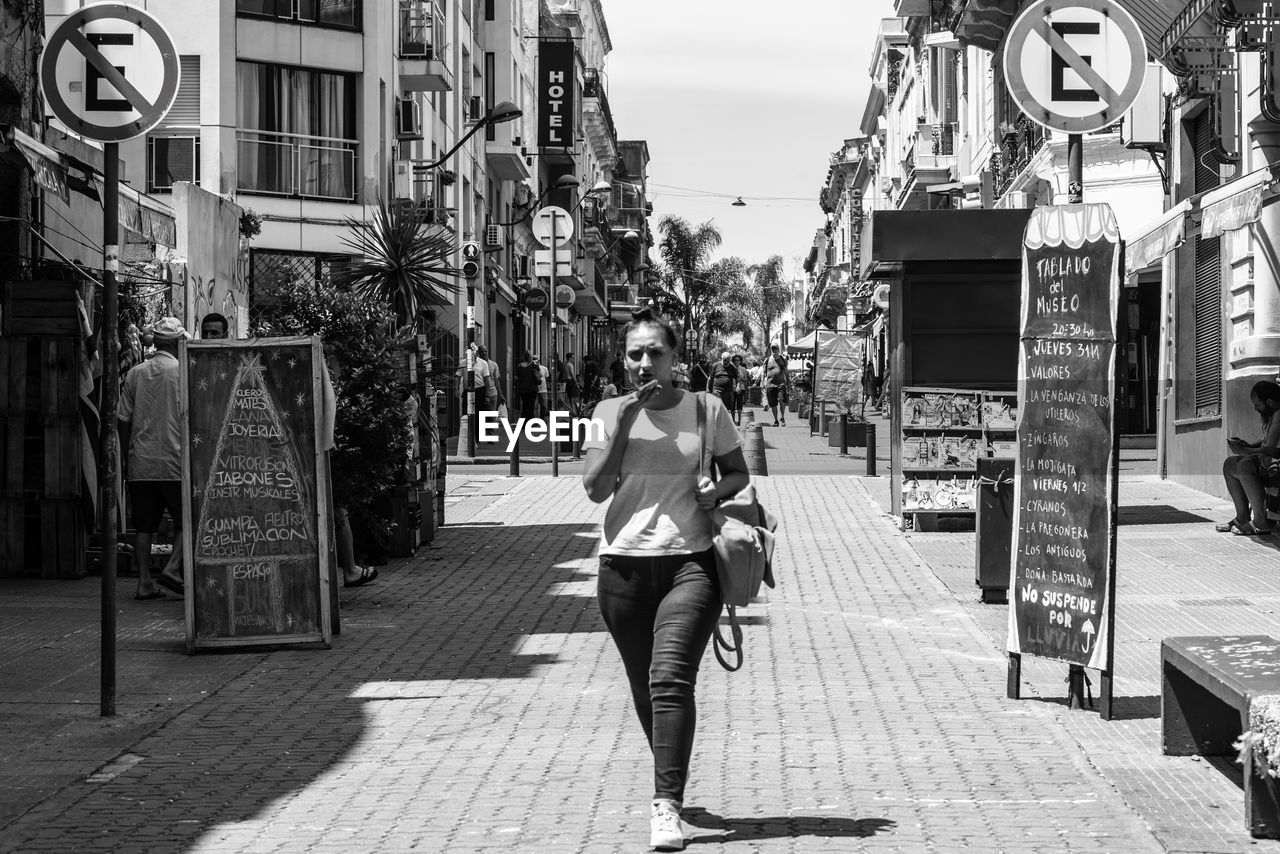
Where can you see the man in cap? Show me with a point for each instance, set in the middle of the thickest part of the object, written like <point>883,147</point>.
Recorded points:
<point>151,436</point>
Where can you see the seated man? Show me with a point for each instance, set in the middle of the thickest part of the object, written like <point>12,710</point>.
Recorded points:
<point>1247,466</point>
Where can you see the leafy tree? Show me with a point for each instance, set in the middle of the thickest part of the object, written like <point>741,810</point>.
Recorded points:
<point>371,426</point>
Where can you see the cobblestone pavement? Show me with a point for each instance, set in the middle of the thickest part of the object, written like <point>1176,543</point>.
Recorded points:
<point>473,702</point>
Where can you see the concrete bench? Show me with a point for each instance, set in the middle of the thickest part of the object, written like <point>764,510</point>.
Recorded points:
<point>1208,685</point>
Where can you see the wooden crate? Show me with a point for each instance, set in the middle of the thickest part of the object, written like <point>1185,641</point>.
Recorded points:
<point>42,528</point>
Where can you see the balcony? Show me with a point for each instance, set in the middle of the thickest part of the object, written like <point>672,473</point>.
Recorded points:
<point>593,301</point>
<point>936,147</point>
<point>286,164</point>
<point>507,161</point>
<point>597,118</point>
<point>421,48</point>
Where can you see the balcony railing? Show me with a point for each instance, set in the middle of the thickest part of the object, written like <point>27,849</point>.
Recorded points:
<point>1016,146</point>
<point>594,86</point>
<point>285,164</point>
<point>421,30</point>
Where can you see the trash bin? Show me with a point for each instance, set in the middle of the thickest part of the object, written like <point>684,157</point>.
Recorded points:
<point>994,526</point>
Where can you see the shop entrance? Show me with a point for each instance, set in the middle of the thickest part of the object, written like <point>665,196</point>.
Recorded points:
<point>1139,355</point>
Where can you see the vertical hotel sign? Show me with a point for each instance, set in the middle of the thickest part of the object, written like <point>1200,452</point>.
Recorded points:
<point>555,94</point>
<point>1063,568</point>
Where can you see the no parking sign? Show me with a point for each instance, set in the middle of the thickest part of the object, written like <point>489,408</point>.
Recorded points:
<point>109,72</point>
<point>1075,65</point>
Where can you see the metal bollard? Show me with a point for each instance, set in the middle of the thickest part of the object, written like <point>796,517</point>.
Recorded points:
<point>871,450</point>
<point>515,459</point>
<point>844,434</point>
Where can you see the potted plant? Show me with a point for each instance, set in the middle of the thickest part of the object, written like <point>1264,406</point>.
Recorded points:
<point>850,425</point>
<point>802,399</point>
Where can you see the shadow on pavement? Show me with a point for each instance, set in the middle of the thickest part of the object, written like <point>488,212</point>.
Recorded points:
<point>1122,708</point>
<point>293,718</point>
<point>781,826</point>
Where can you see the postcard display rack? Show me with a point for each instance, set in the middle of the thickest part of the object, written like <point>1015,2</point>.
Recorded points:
<point>944,433</point>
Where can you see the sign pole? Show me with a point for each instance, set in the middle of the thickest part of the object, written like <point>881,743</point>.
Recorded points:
<point>1075,169</point>
<point>1076,677</point>
<point>109,432</point>
<point>551,324</point>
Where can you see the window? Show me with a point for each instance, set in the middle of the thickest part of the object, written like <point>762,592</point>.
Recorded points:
<point>490,92</point>
<point>327,13</point>
<point>171,159</point>
<point>296,131</point>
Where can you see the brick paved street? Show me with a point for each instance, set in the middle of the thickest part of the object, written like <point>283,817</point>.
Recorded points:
<point>473,701</point>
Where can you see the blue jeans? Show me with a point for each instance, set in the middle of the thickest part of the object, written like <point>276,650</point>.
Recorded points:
<point>661,612</point>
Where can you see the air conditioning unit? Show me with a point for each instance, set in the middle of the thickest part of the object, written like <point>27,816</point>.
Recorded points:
<point>408,119</point>
<point>402,179</point>
<point>475,108</point>
<point>1019,200</point>
<point>493,236</point>
<point>171,159</point>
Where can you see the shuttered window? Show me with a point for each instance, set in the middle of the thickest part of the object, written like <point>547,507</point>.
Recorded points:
<point>185,111</point>
<point>1207,299</point>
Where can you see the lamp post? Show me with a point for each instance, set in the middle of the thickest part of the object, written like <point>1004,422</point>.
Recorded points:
<point>504,111</point>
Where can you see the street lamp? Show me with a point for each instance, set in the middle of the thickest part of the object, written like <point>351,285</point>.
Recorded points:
<point>505,111</point>
<point>564,182</point>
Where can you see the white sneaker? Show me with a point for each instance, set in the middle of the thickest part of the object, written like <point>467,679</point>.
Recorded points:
<point>665,833</point>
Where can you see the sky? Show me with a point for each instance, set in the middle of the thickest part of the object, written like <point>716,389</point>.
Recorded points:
<point>741,98</point>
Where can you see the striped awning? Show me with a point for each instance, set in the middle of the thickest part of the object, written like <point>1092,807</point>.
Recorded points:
<point>1234,206</point>
<point>1157,239</point>
<point>983,23</point>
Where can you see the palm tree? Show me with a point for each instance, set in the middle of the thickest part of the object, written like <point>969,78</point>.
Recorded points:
<point>770,294</point>
<point>402,262</point>
<point>684,284</point>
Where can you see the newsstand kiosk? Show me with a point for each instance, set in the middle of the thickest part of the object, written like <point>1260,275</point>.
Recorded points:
<point>955,280</point>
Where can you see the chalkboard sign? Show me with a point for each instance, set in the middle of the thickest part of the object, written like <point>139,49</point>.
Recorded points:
<point>1063,526</point>
<point>256,493</point>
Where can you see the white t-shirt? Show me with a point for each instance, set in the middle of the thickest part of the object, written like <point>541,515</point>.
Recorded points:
<point>654,510</point>
<point>543,373</point>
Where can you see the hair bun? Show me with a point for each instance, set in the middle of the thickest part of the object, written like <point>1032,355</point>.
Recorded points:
<point>643,315</point>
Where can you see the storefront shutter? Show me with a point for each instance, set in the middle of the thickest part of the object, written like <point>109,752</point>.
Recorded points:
<point>1208,286</point>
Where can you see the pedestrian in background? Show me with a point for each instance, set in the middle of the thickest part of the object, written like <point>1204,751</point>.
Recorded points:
<point>572,391</point>
<point>723,377</point>
<point>494,396</point>
<point>543,376</point>
<point>527,378</point>
<point>680,373</point>
<point>657,586</point>
<point>213,327</point>
<point>775,382</point>
<point>699,375</point>
<point>151,435</point>
<point>741,381</point>
<point>1251,462</point>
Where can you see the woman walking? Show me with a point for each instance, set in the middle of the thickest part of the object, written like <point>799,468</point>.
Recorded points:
<point>657,586</point>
